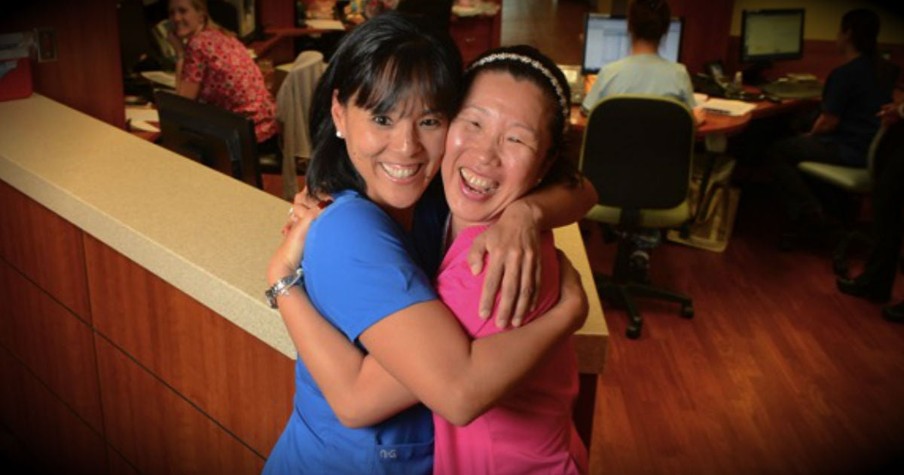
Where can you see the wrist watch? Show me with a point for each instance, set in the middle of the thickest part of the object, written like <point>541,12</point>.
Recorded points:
<point>282,286</point>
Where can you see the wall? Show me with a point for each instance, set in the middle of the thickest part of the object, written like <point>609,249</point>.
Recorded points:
<point>87,76</point>
<point>822,19</point>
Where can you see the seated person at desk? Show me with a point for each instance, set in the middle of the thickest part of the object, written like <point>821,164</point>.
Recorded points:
<point>215,68</point>
<point>844,129</point>
<point>644,71</point>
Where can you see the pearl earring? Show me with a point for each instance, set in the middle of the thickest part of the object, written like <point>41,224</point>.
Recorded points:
<point>339,135</point>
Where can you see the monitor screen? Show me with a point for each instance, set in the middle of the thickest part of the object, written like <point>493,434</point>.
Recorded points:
<point>606,40</point>
<point>210,135</point>
<point>772,34</point>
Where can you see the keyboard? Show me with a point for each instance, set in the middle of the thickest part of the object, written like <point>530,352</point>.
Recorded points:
<point>793,89</point>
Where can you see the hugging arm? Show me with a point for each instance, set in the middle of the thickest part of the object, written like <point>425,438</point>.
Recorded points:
<point>426,355</point>
<point>513,245</point>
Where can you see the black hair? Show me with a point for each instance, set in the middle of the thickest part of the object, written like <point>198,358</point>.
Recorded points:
<point>561,168</point>
<point>649,19</point>
<point>380,64</point>
<point>863,26</point>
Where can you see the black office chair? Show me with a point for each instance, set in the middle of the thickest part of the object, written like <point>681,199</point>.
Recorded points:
<point>213,136</point>
<point>637,153</point>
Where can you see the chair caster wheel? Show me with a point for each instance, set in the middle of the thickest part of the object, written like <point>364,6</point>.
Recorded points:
<point>633,332</point>
<point>687,311</point>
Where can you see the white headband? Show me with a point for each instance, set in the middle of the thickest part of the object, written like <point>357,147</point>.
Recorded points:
<point>560,93</point>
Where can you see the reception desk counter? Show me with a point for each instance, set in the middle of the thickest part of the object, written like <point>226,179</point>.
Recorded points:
<point>133,329</point>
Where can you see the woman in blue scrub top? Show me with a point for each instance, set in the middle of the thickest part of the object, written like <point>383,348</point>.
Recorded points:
<point>380,119</point>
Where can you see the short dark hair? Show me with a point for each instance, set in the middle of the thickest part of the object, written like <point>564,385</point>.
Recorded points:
<point>863,26</point>
<point>649,19</point>
<point>562,169</point>
<point>380,63</point>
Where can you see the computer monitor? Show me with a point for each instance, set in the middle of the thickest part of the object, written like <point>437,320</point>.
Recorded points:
<point>606,39</point>
<point>768,35</point>
<point>210,135</point>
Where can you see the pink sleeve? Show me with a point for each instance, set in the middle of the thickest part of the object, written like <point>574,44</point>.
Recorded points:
<point>194,62</point>
<point>460,290</point>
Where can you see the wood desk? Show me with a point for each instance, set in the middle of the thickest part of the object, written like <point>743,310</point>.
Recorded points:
<point>716,127</point>
<point>715,124</point>
<point>134,334</point>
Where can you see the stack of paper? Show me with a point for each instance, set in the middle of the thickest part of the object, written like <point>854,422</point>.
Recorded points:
<point>160,77</point>
<point>140,118</point>
<point>727,106</point>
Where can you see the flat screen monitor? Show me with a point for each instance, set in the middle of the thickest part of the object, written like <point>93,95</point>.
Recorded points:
<point>606,39</point>
<point>210,135</point>
<point>768,35</point>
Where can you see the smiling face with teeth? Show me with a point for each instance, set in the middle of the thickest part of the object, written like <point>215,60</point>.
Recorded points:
<point>186,17</point>
<point>496,149</point>
<point>397,153</point>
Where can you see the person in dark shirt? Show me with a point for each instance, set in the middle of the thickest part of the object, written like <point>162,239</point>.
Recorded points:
<point>842,132</point>
<point>878,276</point>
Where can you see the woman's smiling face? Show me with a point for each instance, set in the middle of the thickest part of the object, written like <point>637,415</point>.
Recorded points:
<point>186,19</point>
<point>397,153</point>
<point>496,148</point>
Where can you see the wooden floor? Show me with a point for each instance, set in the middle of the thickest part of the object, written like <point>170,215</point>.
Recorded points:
<point>778,373</point>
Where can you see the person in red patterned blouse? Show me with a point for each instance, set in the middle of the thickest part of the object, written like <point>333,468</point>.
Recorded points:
<point>215,68</point>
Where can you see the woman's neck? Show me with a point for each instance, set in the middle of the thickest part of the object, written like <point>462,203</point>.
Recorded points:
<point>644,47</point>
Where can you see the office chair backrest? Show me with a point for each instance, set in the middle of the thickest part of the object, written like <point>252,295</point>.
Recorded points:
<point>637,151</point>
<point>213,136</point>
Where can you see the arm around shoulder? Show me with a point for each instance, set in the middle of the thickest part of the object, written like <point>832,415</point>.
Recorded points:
<point>425,348</point>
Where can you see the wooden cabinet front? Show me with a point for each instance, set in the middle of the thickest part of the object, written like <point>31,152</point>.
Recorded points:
<point>155,382</point>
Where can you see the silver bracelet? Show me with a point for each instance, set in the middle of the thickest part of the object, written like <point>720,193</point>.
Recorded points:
<point>282,286</point>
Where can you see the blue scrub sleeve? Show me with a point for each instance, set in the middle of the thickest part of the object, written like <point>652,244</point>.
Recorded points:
<point>358,266</point>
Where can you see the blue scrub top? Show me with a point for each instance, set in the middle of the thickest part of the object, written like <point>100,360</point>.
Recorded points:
<point>360,267</point>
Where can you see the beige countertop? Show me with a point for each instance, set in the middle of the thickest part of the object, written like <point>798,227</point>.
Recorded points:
<point>203,232</point>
